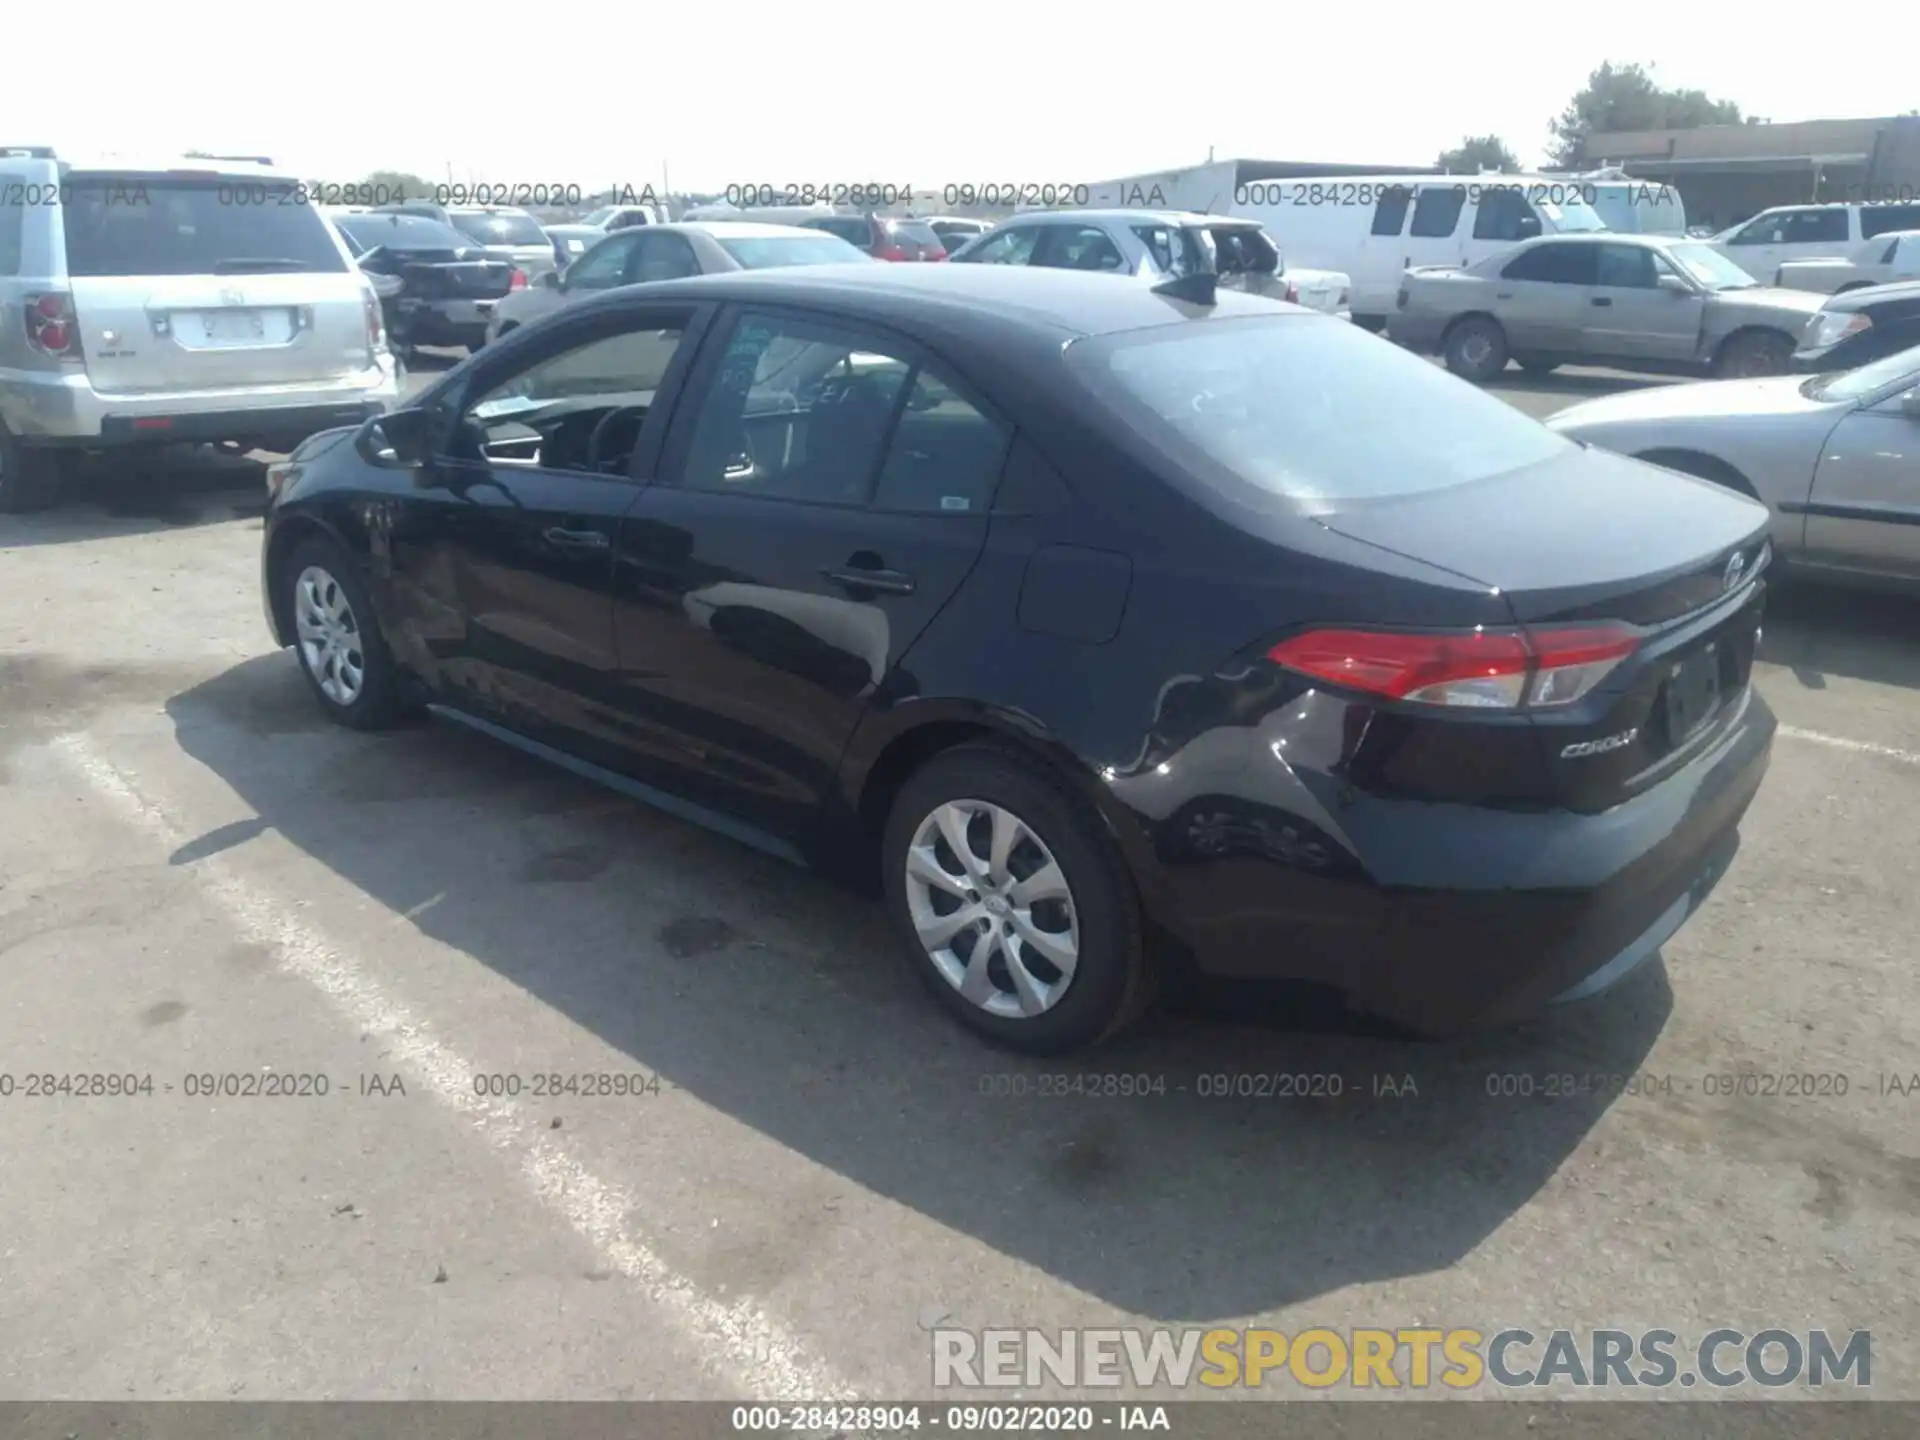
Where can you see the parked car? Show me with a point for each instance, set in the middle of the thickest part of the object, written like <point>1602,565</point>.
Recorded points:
<point>1067,616</point>
<point>445,285</point>
<point>670,252</point>
<point>1861,326</point>
<point>955,230</point>
<point>609,218</point>
<point>1370,228</point>
<point>144,305</point>
<point>1882,260</point>
<point>884,237</point>
<point>505,232</point>
<point>1760,246</point>
<point>1636,302</point>
<point>1154,245</point>
<point>1836,458</point>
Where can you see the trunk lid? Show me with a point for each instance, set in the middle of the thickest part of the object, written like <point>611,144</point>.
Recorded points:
<point>1593,537</point>
<point>430,279</point>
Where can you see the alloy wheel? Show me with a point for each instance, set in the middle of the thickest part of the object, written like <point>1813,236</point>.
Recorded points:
<point>329,636</point>
<point>992,908</point>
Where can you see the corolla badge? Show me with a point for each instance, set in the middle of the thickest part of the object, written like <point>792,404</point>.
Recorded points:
<point>1599,747</point>
<point>1736,567</point>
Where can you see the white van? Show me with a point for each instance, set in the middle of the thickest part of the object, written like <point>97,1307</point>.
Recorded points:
<point>1376,227</point>
<point>1760,246</point>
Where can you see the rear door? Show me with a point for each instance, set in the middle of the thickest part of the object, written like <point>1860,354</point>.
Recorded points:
<point>545,452</point>
<point>1381,256</point>
<point>1864,512</point>
<point>1438,229</point>
<point>1541,296</point>
<point>187,282</point>
<point>1629,315</point>
<point>825,490</point>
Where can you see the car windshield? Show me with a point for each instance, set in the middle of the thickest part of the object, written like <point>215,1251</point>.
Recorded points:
<point>404,232</point>
<point>918,231</point>
<point>496,229</point>
<point>1291,406</point>
<point>159,225</point>
<point>767,252</point>
<point>1710,268</point>
<point>1858,383</point>
<point>1568,216</point>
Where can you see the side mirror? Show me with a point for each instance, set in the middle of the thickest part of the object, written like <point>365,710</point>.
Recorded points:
<point>398,440</point>
<point>1673,283</point>
<point>1529,226</point>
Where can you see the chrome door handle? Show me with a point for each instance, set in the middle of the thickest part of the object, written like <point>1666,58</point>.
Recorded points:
<point>886,582</point>
<point>575,539</point>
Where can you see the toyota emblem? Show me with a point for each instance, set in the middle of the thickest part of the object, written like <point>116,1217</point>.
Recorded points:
<point>1736,566</point>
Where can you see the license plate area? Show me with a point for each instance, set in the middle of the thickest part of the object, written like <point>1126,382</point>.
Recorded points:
<point>231,329</point>
<point>1692,694</point>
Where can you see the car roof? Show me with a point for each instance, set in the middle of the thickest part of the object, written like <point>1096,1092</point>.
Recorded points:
<point>740,229</point>
<point>978,302</point>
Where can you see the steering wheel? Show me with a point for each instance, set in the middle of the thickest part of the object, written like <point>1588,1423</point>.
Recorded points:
<point>595,462</point>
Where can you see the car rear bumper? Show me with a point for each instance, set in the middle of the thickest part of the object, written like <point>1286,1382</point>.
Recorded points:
<point>1466,916</point>
<point>65,409</point>
<point>446,322</point>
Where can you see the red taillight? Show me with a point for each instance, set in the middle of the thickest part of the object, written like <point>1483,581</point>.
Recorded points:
<point>1293,292</point>
<point>519,280</point>
<point>1486,669</point>
<point>938,255</point>
<point>52,328</point>
<point>890,252</point>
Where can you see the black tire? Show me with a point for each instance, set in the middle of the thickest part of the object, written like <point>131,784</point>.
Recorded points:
<point>1476,349</point>
<point>31,477</point>
<point>1752,354</point>
<point>1539,367</point>
<point>1112,982</point>
<point>380,701</point>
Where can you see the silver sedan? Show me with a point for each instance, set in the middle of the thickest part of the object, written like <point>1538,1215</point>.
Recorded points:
<point>1835,457</point>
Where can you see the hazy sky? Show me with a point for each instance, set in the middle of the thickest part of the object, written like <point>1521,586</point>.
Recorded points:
<point>906,92</point>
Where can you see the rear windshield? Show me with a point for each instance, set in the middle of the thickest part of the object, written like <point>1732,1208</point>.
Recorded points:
<point>500,229</point>
<point>1291,406</point>
<point>918,231</point>
<point>160,225</point>
<point>405,232</point>
<point>768,252</point>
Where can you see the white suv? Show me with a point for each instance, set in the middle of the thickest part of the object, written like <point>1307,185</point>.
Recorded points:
<point>1760,246</point>
<point>193,300</point>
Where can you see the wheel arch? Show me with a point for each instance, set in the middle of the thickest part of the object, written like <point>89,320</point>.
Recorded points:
<point>288,533</point>
<point>1773,332</point>
<point>1701,466</point>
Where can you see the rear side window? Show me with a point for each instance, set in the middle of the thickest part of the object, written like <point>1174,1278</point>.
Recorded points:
<point>1808,226</point>
<point>1437,210</point>
<point>1879,219</point>
<point>1567,264</point>
<point>944,457</point>
<point>1289,406</point>
<point>1390,215</point>
<point>158,225</point>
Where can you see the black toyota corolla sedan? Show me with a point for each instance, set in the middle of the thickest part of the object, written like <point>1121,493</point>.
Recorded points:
<point>1110,630</point>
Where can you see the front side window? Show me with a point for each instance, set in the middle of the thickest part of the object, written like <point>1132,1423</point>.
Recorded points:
<point>602,267</point>
<point>798,410</point>
<point>580,410</point>
<point>1390,215</point>
<point>1626,266</point>
<point>1767,230</point>
<point>1499,215</point>
<point>662,257</point>
<point>1080,247</point>
<point>1006,247</point>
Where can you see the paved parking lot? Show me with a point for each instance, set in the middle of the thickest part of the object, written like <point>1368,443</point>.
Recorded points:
<point>200,877</point>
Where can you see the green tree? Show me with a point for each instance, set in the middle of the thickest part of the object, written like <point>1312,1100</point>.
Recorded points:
<point>397,182</point>
<point>1625,97</point>
<point>1476,153</point>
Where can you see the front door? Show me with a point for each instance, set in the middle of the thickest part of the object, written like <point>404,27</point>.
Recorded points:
<point>545,451</point>
<point>824,492</point>
<point>1864,512</point>
<point>1630,315</point>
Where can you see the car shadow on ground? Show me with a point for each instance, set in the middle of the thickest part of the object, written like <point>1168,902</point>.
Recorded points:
<point>780,1001</point>
<point>173,488</point>
<point>1819,631</point>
